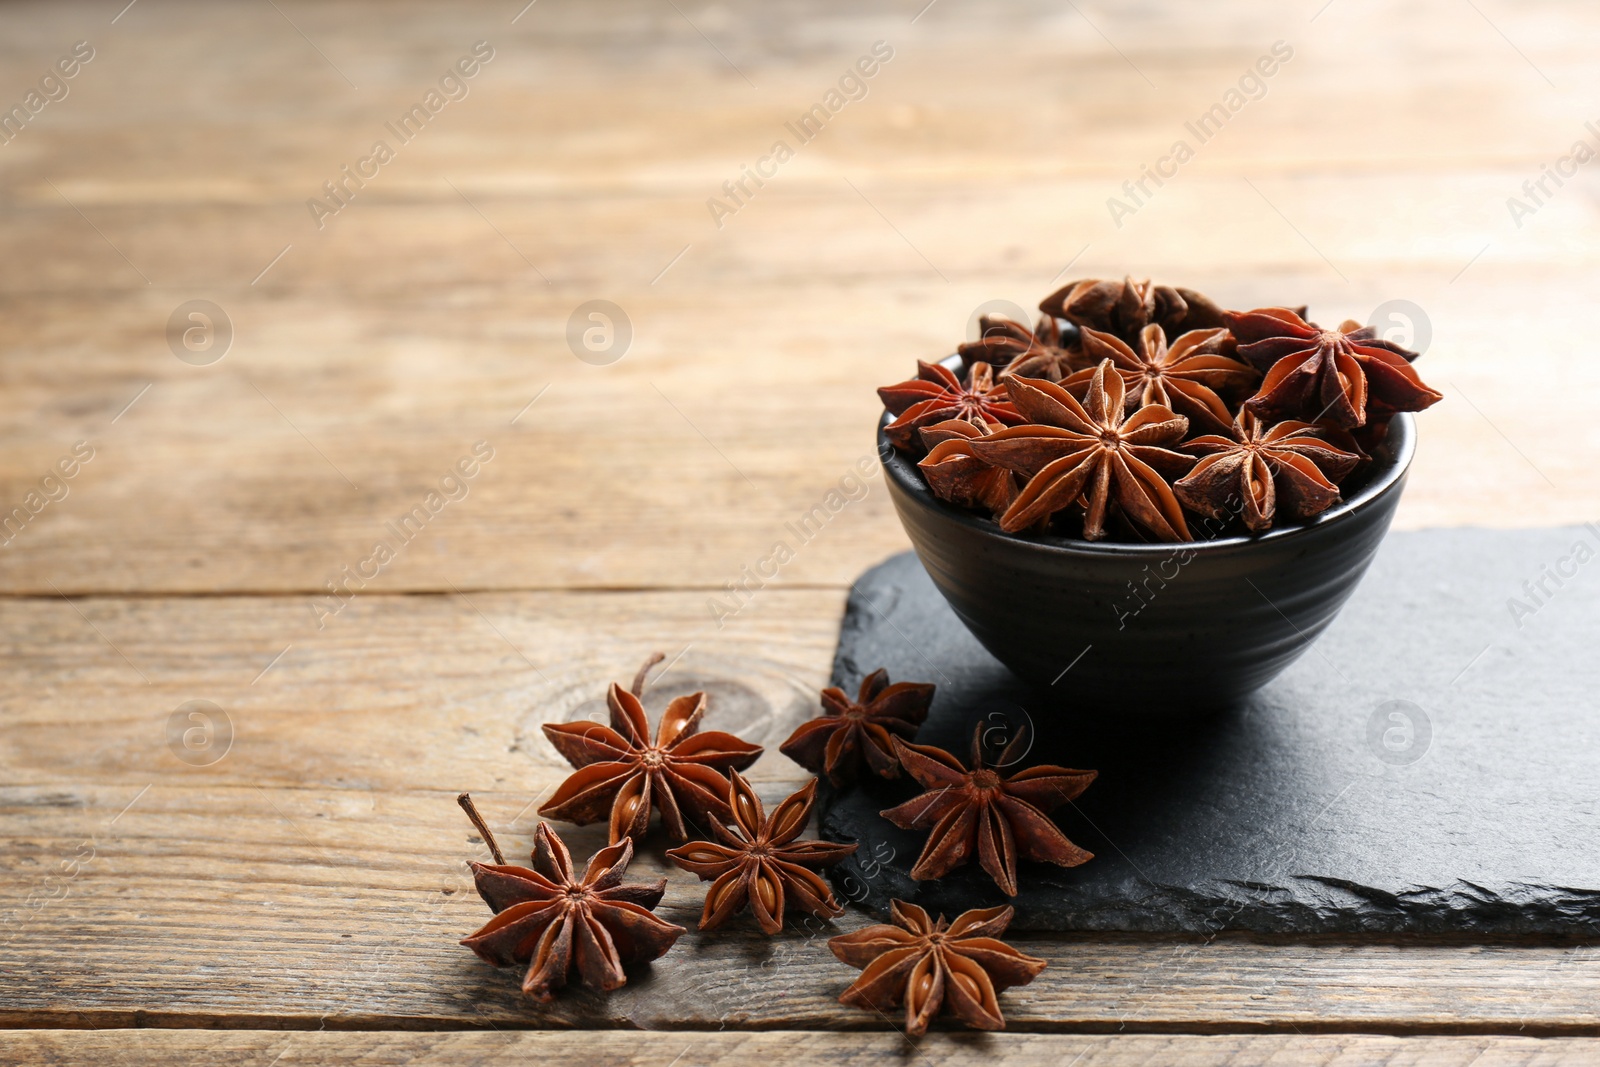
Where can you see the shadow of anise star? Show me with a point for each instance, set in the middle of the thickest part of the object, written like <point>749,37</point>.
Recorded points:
<point>1092,451</point>
<point>978,812</point>
<point>1343,375</point>
<point>960,966</point>
<point>621,773</point>
<point>760,863</point>
<point>559,924</point>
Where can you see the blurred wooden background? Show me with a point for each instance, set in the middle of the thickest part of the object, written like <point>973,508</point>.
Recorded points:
<point>311,877</point>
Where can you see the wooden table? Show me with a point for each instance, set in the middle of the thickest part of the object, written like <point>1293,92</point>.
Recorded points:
<point>299,898</point>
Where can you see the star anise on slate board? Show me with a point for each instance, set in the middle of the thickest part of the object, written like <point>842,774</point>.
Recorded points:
<point>561,924</point>
<point>1256,470</point>
<point>1036,353</point>
<point>926,965</point>
<point>760,863</point>
<point>1125,308</point>
<point>955,473</point>
<point>936,394</point>
<point>979,813</point>
<point>857,732</point>
<point>1191,376</point>
<point>1346,375</point>
<point>621,773</point>
<point>1092,450</point>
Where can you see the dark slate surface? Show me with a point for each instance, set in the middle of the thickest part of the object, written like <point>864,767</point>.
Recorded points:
<point>1430,765</point>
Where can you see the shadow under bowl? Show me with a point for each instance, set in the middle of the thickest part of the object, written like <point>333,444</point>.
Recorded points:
<point>1151,628</point>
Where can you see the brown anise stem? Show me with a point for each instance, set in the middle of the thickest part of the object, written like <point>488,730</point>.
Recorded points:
<point>638,679</point>
<point>465,800</point>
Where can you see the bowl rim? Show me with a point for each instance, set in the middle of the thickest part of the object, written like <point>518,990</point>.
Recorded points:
<point>1402,435</point>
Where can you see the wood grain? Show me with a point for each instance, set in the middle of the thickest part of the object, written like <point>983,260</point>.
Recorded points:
<point>314,874</point>
<point>432,310</point>
<point>311,877</point>
<point>152,1048</point>
<point>313,909</point>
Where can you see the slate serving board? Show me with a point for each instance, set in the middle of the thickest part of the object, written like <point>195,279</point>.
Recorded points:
<point>1430,765</point>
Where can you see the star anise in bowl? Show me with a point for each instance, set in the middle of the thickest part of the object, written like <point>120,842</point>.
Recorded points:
<point>937,394</point>
<point>1253,468</point>
<point>1125,308</point>
<point>1202,464</point>
<point>1095,452</point>
<point>1343,376</point>
<point>1174,351</point>
<point>1042,352</point>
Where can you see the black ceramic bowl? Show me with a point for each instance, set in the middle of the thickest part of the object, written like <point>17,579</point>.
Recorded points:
<point>1164,628</point>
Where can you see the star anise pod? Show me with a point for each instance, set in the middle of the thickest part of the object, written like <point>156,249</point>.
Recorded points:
<point>560,924</point>
<point>621,773</point>
<point>936,394</point>
<point>926,966</point>
<point>1037,353</point>
<point>1190,376</point>
<point>760,863</point>
<point>978,811</point>
<point>1345,375</point>
<point>1255,469</point>
<point>1094,450</point>
<point>955,473</point>
<point>857,731</point>
<point>1125,308</point>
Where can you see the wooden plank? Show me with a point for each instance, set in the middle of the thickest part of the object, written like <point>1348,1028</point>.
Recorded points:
<point>156,1048</point>
<point>1113,83</point>
<point>309,909</point>
<point>314,874</point>
<point>308,923</point>
<point>232,478</point>
<point>432,310</point>
<point>393,693</point>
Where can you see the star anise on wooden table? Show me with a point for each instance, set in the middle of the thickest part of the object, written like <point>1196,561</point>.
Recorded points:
<point>1094,451</point>
<point>561,924</point>
<point>980,813</point>
<point>1345,376</point>
<point>1037,353</point>
<point>1255,470</point>
<point>936,394</point>
<point>857,732</point>
<point>1191,376</point>
<point>955,473</point>
<point>1125,308</point>
<point>621,773</point>
<point>924,965</point>
<point>759,862</point>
